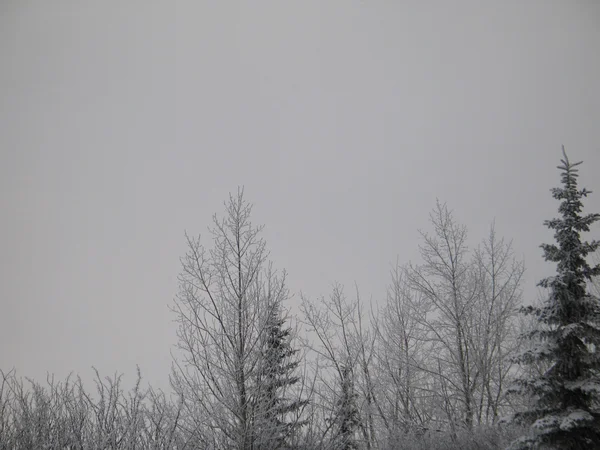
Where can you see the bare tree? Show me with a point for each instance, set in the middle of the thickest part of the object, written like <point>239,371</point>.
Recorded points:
<point>495,331</point>
<point>364,339</point>
<point>344,348</point>
<point>162,422</point>
<point>223,308</point>
<point>61,414</point>
<point>468,315</point>
<point>329,323</point>
<point>446,281</point>
<point>403,350</point>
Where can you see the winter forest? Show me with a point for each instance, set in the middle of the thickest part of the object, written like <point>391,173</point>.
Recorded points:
<point>453,358</point>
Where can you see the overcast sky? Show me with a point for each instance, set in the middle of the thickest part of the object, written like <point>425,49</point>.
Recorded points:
<point>125,123</point>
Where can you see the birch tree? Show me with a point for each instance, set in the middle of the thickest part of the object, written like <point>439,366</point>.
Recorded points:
<point>222,310</point>
<point>499,276</point>
<point>331,324</point>
<point>467,314</point>
<point>446,280</point>
<point>403,351</point>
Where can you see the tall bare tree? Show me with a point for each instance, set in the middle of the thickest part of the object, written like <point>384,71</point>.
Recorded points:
<point>495,330</point>
<point>446,280</point>
<point>223,307</point>
<point>403,350</point>
<point>331,323</point>
<point>469,307</point>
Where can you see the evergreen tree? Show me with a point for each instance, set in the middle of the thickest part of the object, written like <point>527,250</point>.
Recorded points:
<point>347,417</point>
<point>565,397</point>
<point>277,404</point>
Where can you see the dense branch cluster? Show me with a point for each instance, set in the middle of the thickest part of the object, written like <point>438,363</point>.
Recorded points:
<point>63,415</point>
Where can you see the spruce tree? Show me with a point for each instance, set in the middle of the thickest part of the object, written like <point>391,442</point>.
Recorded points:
<point>566,412</point>
<point>277,403</point>
<point>347,415</point>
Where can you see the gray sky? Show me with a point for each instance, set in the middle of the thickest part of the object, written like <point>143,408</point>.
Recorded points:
<point>124,123</point>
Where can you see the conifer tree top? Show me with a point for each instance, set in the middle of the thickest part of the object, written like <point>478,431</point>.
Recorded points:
<point>570,253</point>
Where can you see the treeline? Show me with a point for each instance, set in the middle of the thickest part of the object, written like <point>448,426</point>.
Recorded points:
<point>428,367</point>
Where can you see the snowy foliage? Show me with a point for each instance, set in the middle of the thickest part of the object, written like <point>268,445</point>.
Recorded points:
<point>346,419</point>
<point>565,412</point>
<point>277,406</point>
